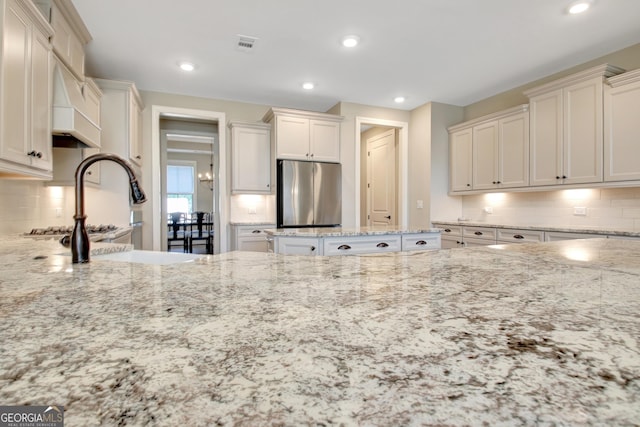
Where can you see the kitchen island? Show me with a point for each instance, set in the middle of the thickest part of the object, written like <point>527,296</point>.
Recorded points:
<point>532,334</point>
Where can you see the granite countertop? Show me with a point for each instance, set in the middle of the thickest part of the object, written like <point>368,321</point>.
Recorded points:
<point>269,223</point>
<point>347,232</point>
<point>567,229</point>
<point>533,334</point>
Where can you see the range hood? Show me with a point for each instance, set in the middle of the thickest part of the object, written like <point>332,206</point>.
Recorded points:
<point>72,126</point>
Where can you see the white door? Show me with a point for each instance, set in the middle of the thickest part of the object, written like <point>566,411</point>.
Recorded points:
<point>381,175</point>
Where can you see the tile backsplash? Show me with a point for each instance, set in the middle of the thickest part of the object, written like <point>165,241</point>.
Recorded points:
<point>29,204</point>
<point>614,208</point>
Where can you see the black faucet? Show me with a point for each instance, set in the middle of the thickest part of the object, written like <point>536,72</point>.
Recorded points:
<point>79,237</point>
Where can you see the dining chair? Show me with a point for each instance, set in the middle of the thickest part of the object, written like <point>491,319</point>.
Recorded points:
<point>201,231</point>
<point>176,231</point>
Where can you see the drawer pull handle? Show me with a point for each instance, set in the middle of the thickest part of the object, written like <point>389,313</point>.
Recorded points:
<point>382,245</point>
<point>518,236</point>
<point>344,247</point>
<point>478,233</point>
<point>256,231</point>
<point>313,248</point>
<point>421,243</point>
<point>447,230</point>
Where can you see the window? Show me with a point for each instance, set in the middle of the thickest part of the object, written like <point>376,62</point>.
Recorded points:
<point>180,187</point>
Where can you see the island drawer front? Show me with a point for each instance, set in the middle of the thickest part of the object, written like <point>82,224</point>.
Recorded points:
<point>253,231</point>
<point>362,245</point>
<point>421,241</point>
<point>520,236</point>
<point>485,233</point>
<point>450,230</point>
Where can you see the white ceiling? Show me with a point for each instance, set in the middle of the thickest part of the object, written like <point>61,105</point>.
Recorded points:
<point>451,51</point>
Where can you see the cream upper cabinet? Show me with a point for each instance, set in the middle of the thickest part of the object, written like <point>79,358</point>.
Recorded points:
<point>485,155</point>
<point>460,159</point>
<point>491,152</point>
<point>622,127</point>
<point>70,35</point>
<point>26,73</point>
<point>567,128</point>
<point>251,158</point>
<point>121,112</point>
<point>303,135</point>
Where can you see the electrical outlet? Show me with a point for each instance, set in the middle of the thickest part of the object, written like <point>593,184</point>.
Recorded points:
<point>252,210</point>
<point>580,211</point>
<point>420,204</point>
<point>488,209</point>
<point>58,212</point>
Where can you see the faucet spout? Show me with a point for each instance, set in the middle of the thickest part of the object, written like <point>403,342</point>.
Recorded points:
<point>79,237</point>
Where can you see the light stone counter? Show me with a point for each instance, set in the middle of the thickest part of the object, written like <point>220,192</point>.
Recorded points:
<point>536,334</point>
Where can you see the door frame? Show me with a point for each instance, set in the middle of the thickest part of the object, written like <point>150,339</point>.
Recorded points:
<point>403,165</point>
<point>222,213</point>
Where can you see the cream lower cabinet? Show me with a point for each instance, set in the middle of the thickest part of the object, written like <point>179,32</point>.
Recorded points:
<point>622,127</point>
<point>250,237</point>
<point>298,245</point>
<point>508,235</point>
<point>25,98</point>
<point>303,135</point>
<point>361,245</point>
<point>251,158</point>
<point>454,236</point>
<point>566,128</point>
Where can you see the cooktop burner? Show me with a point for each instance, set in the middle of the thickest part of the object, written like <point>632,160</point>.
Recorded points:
<point>62,230</point>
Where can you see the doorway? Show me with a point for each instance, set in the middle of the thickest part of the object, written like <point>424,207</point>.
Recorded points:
<point>401,132</point>
<point>188,160</point>
<point>158,164</point>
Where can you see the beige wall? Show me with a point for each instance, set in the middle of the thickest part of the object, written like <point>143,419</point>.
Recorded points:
<point>628,59</point>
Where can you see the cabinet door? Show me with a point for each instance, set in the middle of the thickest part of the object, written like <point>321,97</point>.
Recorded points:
<point>622,132</point>
<point>15,143</point>
<point>583,144</point>
<point>135,130</point>
<point>546,138</point>
<point>292,138</point>
<point>485,155</point>
<point>66,43</point>
<point>324,141</point>
<point>251,155</point>
<point>460,160</point>
<point>513,152</point>
<point>297,245</point>
<point>40,116</point>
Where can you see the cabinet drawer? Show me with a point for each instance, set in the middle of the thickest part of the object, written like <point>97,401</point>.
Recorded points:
<point>520,236</point>
<point>485,233</point>
<point>253,231</point>
<point>420,241</point>
<point>362,245</point>
<point>450,230</point>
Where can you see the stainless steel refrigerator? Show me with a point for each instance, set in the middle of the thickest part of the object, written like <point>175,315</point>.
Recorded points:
<point>309,194</point>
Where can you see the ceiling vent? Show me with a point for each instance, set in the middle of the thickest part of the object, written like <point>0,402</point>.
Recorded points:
<point>246,43</point>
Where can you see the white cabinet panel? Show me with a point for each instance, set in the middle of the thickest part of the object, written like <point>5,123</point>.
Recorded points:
<point>251,158</point>
<point>421,241</point>
<point>460,160</point>
<point>506,235</point>
<point>298,245</point>
<point>622,128</point>
<point>324,141</point>
<point>362,245</point>
<point>546,138</point>
<point>250,237</point>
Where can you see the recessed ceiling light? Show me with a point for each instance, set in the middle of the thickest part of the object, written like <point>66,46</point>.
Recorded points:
<point>187,66</point>
<point>350,41</point>
<point>308,85</point>
<point>399,99</point>
<point>579,7</point>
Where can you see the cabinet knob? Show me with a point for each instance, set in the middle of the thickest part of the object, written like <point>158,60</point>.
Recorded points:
<point>382,245</point>
<point>447,230</point>
<point>88,172</point>
<point>313,248</point>
<point>468,185</point>
<point>557,177</point>
<point>494,182</point>
<point>564,177</point>
<point>498,182</point>
<point>138,157</point>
